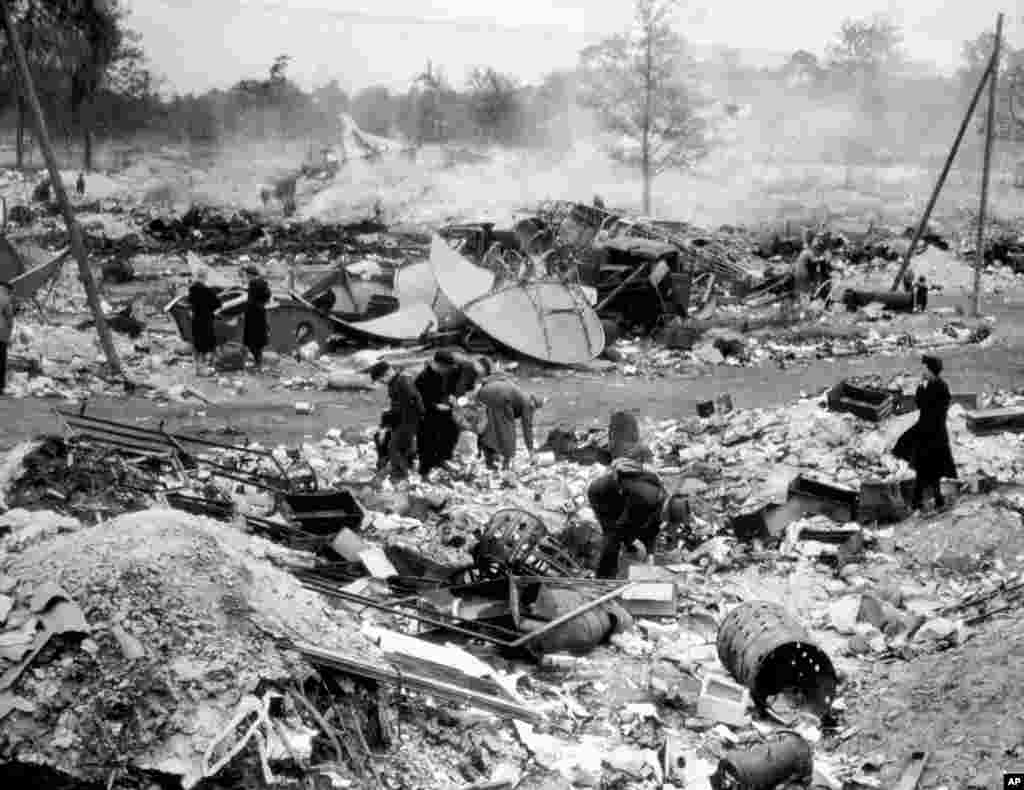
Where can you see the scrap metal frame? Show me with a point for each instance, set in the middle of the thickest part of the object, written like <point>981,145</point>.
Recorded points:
<point>170,447</point>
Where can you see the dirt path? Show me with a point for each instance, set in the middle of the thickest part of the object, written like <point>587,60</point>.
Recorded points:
<point>576,399</point>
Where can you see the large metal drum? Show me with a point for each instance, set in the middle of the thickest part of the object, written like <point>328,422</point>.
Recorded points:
<point>769,652</point>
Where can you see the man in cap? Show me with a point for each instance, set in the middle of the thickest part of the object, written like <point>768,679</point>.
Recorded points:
<point>402,420</point>
<point>438,432</point>
<point>506,405</point>
<point>6,328</point>
<point>631,504</point>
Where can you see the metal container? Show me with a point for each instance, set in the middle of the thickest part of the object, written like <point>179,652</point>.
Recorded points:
<point>768,651</point>
<point>782,757</point>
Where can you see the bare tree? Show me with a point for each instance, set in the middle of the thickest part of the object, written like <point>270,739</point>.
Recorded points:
<point>638,82</point>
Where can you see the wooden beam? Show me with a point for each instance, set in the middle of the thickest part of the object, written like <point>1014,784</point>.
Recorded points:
<point>990,122</point>
<point>942,177</point>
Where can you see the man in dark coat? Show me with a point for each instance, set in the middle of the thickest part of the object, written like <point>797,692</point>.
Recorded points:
<point>256,330</point>
<point>438,431</point>
<point>203,303</point>
<point>402,420</point>
<point>925,445</point>
<point>631,504</point>
<point>506,405</point>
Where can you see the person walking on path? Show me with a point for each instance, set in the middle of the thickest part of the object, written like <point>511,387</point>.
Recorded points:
<point>925,445</point>
<point>402,421</point>
<point>6,329</point>
<point>631,504</point>
<point>256,330</point>
<point>438,432</point>
<point>203,303</point>
<point>506,404</point>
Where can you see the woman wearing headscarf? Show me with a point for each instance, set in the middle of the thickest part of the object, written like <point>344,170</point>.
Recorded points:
<point>203,303</point>
<point>925,445</point>
<point>507,404</point>
<point>256,331</point>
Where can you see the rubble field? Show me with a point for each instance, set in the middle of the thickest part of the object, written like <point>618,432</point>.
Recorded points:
<point>141,631</point>
<point>224,599</point>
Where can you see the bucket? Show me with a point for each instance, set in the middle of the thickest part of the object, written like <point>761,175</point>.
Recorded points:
<point>769,652</point>
<point>782,757</point>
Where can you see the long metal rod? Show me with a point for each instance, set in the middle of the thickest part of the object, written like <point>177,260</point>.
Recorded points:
<point>942,177</point>
<point>565,618</point>
<point>359,600</point>
<point>990,122</point>
<point>28,92</point>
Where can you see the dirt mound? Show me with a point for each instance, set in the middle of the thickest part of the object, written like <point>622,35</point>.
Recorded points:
<point>208,609</point>
<point>962,705</point>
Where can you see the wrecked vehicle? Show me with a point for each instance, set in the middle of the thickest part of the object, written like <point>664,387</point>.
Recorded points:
<point>291,322</point>
<point>638,281</point>
<point>564,330</point>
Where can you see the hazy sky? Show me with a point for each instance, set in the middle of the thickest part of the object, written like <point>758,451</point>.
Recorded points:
<point>197,46</point>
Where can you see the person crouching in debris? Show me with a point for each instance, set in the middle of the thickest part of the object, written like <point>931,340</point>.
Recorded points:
<point>401,421</point>
<point>256,330</point>
<point>438,433</point>
<point>631,504</point>
<point>204,303</point>
<point>6,329</point>
<point>925,445</point>
<point>920,295</point>
<point>506,404</point>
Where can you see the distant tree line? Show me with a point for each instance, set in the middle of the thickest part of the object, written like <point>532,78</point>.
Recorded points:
<point>644,87</point>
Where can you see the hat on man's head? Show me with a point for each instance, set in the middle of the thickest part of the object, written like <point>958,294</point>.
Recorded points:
<point>934,364</point>
<point>378,370</point>
<point>444,358</point>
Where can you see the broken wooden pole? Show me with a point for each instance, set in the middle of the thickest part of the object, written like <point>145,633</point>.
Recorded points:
<point>942,177</point>
<point>28,91</point>
<point>990,122</point>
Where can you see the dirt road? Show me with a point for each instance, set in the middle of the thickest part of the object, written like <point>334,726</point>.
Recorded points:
<point>573,398</point>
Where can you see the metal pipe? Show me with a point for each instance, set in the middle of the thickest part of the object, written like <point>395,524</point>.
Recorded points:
<point>565,618</point>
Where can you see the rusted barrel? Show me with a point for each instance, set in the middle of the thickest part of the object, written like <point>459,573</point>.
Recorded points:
<point>782,757</point>
<point>769,652</point>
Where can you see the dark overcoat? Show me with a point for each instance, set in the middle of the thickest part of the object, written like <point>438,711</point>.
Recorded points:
<point>256,332</point>
<point>925,445</point>
<point>203,302</point>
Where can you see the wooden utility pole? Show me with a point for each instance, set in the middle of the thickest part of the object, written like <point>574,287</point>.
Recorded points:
<point>74,231</point>
<point>990,122</point>
<point>942,176</point>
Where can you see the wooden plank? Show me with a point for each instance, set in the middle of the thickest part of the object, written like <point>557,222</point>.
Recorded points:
<point>914,767</point>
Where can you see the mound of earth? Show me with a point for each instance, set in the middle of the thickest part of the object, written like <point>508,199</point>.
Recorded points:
<point>186,615</point>
<point>962,705</point>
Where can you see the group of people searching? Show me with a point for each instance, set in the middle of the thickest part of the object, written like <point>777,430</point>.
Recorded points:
<point>205,306</point>
<point>451,397</point>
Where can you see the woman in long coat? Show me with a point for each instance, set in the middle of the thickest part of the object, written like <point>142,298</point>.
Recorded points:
<point>204,303</point>
<point>925,445</point>
<point>256,331</point>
